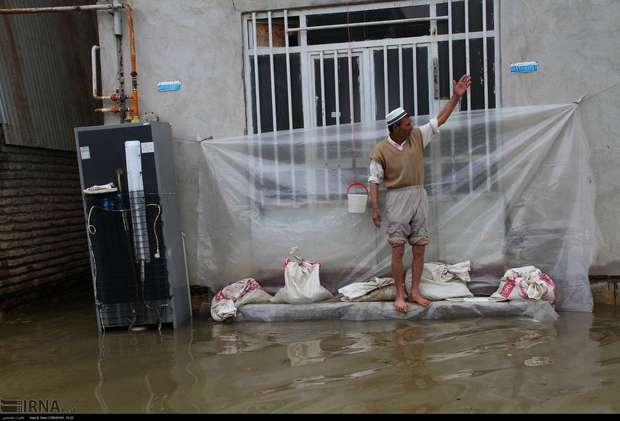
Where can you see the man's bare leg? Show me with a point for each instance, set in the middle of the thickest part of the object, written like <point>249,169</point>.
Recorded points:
<point>416,274</point>
<point>399,277</point>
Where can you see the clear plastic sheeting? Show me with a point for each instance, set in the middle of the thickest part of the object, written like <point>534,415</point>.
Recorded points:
<point>442,310</point>
<point>507,188</point>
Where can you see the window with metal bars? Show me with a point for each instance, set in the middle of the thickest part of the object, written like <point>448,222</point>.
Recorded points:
<point>347,64</point>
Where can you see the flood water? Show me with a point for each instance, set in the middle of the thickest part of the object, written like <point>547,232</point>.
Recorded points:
<point>476,365</point>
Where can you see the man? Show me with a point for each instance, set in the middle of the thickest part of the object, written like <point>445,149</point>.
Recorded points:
<point>398,163</point>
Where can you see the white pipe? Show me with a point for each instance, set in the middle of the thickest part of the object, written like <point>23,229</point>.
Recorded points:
<point>93,58</point>
<point>135,188</point>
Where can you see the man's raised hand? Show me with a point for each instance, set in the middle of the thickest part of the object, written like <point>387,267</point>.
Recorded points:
<point>460,87</point>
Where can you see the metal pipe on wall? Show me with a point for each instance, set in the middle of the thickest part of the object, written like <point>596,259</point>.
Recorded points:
<point>56,9</point>
<point>134,111</point>
<point>93,59</point>
<point>120,72</point>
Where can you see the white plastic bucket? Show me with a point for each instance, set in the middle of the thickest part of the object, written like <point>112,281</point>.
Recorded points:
<point>357,201</point>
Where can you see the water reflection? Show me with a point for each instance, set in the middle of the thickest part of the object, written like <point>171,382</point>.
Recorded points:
<point>486,365</point>
<point>303,353</point>
<point>144,371</point>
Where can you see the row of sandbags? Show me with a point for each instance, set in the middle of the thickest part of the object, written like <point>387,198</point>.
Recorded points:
<point>439,281</point>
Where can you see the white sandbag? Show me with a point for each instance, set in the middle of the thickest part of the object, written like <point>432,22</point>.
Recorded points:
<point>440,281</point>
<point>376,289</point>
<point>441,272</point>
<point>527,283</point>
<point>226,302</point>
<point>302,284</point>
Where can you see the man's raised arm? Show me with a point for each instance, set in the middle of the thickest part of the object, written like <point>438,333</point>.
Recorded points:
<point>459,89</point>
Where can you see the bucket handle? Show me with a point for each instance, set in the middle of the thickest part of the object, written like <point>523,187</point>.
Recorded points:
<point>357,184</point>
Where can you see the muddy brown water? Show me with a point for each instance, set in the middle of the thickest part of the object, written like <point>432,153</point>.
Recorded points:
<point>476,365</point>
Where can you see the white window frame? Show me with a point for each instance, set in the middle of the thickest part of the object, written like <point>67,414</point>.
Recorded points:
<point>366,69</point>
<point>366,77</point>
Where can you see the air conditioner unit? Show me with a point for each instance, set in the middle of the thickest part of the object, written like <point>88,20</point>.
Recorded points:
<point>136,247</point>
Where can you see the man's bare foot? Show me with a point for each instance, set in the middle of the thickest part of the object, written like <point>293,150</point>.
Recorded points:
<point>416,297</point>
<point>400,305</point>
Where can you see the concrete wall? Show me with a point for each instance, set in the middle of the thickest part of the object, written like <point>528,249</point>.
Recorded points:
<point>576,45</point>
<point>200,43</point>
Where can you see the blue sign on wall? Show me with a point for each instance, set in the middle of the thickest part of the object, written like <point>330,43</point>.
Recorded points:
<point>524,67</point>
<point>173,85</point>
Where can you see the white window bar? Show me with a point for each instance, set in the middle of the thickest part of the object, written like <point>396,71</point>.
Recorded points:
<point>425,39</point>
<point>433,50</point>
<point>467,66</point>
<point>376,23</point>
<point>322,90</point>
<point>499,147</point>
<point>273,86</point>
<point>496,31</point>
<point>400,72</point>
<point>273,108</point>
<point>450,64</point>
<point>452,159</point>
<point>486,97</point>
<point>246,70</point>
<point>414,52</point>
<point>385,78</point>
<point>471,165</point>
<point>484,52</point>
<point>337,93</point>
<point>351,96</point>
<point>366,47</point>
<point>308,89</point>
<point>288,73</point>
<point>488,150</point>
<point>258,125</point>
<point>337,88</point>
<point>290,108</point>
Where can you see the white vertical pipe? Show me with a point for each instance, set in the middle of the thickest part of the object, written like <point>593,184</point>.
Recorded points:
<point>273,86</point>
<point>258,125</point>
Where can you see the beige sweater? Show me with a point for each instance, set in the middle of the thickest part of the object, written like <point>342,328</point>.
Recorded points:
<point>401,168</point>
